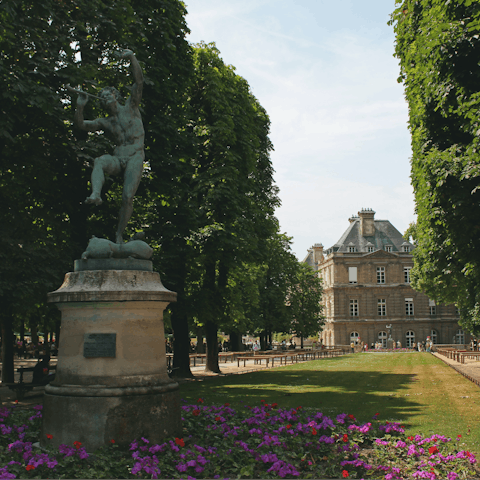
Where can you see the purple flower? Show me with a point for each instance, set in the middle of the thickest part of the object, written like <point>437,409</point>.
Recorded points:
<point>181,467</point>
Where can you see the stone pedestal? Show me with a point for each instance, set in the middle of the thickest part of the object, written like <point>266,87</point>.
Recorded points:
<point>111,381</point>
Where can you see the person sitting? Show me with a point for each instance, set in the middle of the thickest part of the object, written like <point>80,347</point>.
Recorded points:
<point>40,371</point>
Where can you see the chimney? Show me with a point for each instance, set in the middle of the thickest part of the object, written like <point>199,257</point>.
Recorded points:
<point>367,225</point>
<point>317,253</point>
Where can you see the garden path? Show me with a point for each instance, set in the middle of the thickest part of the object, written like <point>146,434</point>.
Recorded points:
<point>470,369</point>
<point>35,397</point>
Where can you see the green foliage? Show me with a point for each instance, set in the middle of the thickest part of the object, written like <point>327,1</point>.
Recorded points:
<point>207,197</point>
<point>438,46</point>
<point>305,299</point>
<point>45,164</point>
<point>231,191</point>
<point>274,314</point>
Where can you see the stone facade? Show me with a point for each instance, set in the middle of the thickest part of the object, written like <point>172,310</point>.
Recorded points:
<point>367,287</point>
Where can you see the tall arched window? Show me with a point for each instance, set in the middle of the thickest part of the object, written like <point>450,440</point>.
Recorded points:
<point>354,337</point>
<point>410,338</point>
<point>433,336</point>
<point>382,338</point>
<point>460,337</point>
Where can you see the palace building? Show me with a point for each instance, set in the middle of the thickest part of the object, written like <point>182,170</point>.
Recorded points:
<point>367,292</point>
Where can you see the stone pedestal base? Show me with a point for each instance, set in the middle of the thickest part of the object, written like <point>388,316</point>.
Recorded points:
<point>95,421</point>
<point>111,381</point>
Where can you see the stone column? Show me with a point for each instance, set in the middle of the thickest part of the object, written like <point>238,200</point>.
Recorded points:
<point>111,381</point>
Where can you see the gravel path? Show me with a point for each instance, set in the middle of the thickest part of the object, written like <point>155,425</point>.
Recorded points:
<point>470,369</point>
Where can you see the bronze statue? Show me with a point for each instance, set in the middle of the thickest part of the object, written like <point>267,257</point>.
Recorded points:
<point>125,124</point>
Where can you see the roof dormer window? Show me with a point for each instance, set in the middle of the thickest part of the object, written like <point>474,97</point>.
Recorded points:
<point>370,247</point>
<point>406,247</point>
<point>351,248</point>
<point>388,248</point>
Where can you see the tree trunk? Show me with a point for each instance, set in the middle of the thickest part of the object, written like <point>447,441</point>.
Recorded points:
<point>235,342</point>
<point>210,290</point>
<point>45,337</point>
<point>212,348</point>
<point>181,333</point>
<point>33,328</point>
<point>181,344</point>
<point>200,348</point>
<point>7,351</point>
<point>22,332</point>
<point>263,340</point>
<point>301,342</point>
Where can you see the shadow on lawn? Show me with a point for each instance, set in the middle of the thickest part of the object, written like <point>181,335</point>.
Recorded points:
<point>358,392</point>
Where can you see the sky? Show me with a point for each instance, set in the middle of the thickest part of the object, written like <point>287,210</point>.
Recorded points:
<point>325,73</point>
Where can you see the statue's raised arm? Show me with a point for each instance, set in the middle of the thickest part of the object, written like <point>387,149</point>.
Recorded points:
<point>136,94</point>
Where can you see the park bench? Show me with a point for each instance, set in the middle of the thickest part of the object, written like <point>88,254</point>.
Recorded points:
<point>226,356</point>
<point>21,388</point>
<point>468,354</point>
<point>258,359</point>
<point>456,354</point>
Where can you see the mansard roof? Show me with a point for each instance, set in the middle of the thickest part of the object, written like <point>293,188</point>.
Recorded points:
<point>385,234</point>
<point>309,259</point>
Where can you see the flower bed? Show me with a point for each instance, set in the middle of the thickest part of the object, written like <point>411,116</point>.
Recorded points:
<point>262,441</point>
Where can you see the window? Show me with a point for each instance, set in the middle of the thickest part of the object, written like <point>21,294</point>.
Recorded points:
<point>432,307</point>
<point>433,336</point>
<point>406,248</point>
<point>410,338</point>
<point>388,248</point>
<point>354,308</point>
<point>380,274</point>
<point>409,306</point>
<point>351,249</point>
<point>382,307</point>
<point>459,337</point>
<point>406,274</point>
<point>370,249</point>
<point>352,274</point>
<point>354,337</point>
<point>382,338</point>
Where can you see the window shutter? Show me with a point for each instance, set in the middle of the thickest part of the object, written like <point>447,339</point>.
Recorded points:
<point>352,274</point>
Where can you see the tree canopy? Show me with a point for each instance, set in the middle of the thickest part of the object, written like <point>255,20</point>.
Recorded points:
<point>207,197</point>
<point>44,162</point>
<point>438,45</point>
<point>305,299</point>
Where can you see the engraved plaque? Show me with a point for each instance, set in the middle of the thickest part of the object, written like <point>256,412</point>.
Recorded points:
<point>99,345</point>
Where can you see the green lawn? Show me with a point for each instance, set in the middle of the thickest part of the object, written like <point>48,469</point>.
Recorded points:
<point>416,389</point>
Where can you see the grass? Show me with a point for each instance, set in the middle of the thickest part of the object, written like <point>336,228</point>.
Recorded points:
<point>416,389</point>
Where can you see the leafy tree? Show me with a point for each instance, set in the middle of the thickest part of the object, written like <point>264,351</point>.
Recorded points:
<point>45,164</point>
<point>274,315</point>
<point>233,189</point>
<point>305,299</point>
<point>438,46</point>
